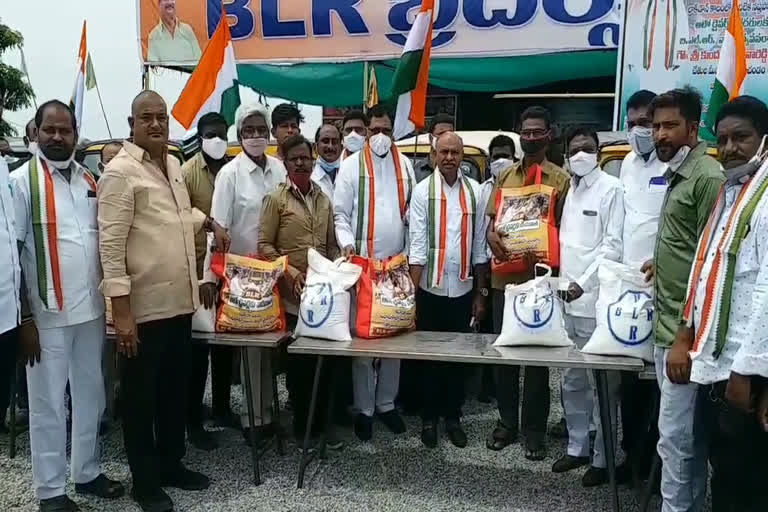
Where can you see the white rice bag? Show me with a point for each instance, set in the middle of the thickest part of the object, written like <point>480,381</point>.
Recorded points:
<point>325,302</point>
<point>204,320</point>
<point>624,314</point>
<point>533,314</point>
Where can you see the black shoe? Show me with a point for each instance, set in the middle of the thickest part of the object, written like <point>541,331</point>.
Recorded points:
<point>559,429</point>
<point>393,421</point>
<point>59,504</point>
<point>155,500</point>
<point>569,463</point>
<point>185,479</point>
<point>364,427</point>
<point>202,439</point>
<point>535,452</point>
<point>332,442</point>
<point>500,438</point>
<point>594,477</point>
<point>455,433</point>
<point>429,434</point>
<point>102,487</point>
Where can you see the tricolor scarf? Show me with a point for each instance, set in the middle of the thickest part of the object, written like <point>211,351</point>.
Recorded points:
<point>438,228</point>
<point>366,201</point>
<point>717,303</point>
<point>45,231</point>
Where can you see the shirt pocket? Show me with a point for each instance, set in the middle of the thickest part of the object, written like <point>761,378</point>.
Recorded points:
<point>589,229</point>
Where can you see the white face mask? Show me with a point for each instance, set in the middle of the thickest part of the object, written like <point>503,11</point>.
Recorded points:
<point>255,147</point>
<point>354,142</point>
<point>380,144</point>
<point>641,140</point>
<point>215,148</point>
<point>582,163</point>
<point>32,148</point>
<point>59,164</point>
<point>502,164</point>
<point>681,155</point>
<point>742,173</point>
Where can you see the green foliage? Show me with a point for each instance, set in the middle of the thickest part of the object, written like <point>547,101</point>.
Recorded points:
<point>15,91</point>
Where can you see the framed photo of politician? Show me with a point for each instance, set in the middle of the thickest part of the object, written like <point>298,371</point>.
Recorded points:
<point>171,40</point>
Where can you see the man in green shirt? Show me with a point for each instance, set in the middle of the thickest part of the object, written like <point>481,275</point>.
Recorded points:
<point>172,40</point>
<point>694,180</point>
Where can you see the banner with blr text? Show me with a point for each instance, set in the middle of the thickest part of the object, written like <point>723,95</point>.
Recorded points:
<point>174,32</point>
<point>674,43</point>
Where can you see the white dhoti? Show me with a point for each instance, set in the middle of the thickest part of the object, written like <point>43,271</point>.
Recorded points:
<point>260,365</point>
<point>376,382</point>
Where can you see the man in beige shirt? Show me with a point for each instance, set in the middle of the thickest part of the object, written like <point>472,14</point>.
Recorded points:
<point>146,241</point>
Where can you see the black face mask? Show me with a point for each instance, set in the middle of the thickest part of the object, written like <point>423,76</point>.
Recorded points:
<point>533,146</point>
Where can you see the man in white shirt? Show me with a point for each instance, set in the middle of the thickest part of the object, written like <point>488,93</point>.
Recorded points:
<point>241,186</point>
<point>381,237</point>
<point>726,313</point>
<point>55,209</point>
<point>328,148</point>
<point>590,231</point>
<point>448,247</point>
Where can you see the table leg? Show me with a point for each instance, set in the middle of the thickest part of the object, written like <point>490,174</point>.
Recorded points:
<point>645,497</point>
<point>251,416</point>
<point>276,407</point>
<point>305,455</point>
<point>12,420</point>
<point>601,381</point>
<point>329,413</point>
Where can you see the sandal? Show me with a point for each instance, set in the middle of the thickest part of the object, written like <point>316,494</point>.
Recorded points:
<point>537,453</point>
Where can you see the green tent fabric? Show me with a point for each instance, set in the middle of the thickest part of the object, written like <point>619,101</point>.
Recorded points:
<point>340,85</point>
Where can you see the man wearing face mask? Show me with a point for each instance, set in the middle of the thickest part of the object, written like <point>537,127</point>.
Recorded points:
<point>593,217</point>
<point>354,129</point>
<point>328,146</point>
<point>199,176</point>
<point>535,137</point>
<point>390,175</point>
<point>726,312</point>
<point>65,340</point>
<point>241,187</point>
<point>438,125</point>
<point>693,179</point>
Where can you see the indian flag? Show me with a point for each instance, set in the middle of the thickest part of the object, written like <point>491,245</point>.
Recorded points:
<point>213,86</point>
<point>78,94</point>
<point>411,78</point>
<point>732,67</point>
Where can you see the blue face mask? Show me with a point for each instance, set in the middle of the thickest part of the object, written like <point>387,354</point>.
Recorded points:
<point>329,167</point>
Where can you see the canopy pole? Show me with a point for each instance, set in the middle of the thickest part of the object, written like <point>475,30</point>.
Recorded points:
<point>366,72</point>
<point>104,112</point>
<point>145,78</point>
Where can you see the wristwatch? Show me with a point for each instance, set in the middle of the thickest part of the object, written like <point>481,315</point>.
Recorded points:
<point>483,291</point>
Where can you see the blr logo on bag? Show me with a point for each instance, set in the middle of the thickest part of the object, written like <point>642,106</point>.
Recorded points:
<point>535,313</point>
<point>317,304</point>
<point>630,319</point>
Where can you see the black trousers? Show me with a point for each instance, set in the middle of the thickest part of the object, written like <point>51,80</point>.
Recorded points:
<point>640,433</point>
<point>535,390</point>
<point>154,397</point>
<point>221,381</point>
<point>301,369</point>
<point>9,346</point>
<point>442,383</point>
<point>738,452</point>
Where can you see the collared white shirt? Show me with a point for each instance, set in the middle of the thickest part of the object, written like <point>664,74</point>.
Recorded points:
<point>241,186</point>
<point>644,188</point>
<point>323,180</point>
<point>419,236</point>
<point>78,247</point>
<point>590,230</point>
<point>10,272</point>
<point>389,238</point>
<point>486,189</point>
<point>746,342</point>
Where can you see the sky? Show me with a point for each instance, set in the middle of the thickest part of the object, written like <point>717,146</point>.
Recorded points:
<point>51,42</point>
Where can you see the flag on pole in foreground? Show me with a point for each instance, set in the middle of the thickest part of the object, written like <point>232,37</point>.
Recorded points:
<point>372,95</point>
<point>78,94</point>
<point>411,78</point>
<point>213,86</point>
<point>732,67</point>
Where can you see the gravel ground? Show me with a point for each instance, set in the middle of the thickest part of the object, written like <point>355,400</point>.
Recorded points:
<point>390,474</point>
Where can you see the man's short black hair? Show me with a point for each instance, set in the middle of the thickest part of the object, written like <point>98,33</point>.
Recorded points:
<point>295,141</point>
<point>332,125</point>
<point>749,108</point>
<point>501,141</point>
<point>380,110</point>
<point>537,112</point>
<point>640,99</point>
<point>585,131</point>
<point>687,100</point>
<point>441,118</point>
<point>29,127</point>
<point>211,119</point>
<point>354,115</point>
<point>54,103</point>
<point>109,144</point>
<point>286,112</point>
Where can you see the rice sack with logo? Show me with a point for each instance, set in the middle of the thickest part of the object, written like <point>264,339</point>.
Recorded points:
<point>525,222</point>
<point>250,300</point>
<point>533,314</point>
<point>624,312</point>
<point>386,297</point>
<point>325,303</point>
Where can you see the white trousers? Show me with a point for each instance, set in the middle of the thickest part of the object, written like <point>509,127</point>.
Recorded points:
<point>71,353</point>
<point>260,363</point>
<point>580,401</point>
<point>684,463</point>
<point>375,384</point>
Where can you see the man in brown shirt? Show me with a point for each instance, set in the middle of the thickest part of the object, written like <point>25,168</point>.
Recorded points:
<point>535,137</point>
<point>146,241</point>
<point>295,217</point>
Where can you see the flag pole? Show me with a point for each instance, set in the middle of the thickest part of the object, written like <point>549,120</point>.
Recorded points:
<point>103,112</point>
<point>366,72</point>
<point>26,72</point>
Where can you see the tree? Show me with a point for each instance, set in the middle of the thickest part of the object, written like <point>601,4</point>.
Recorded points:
<point>15,92</point>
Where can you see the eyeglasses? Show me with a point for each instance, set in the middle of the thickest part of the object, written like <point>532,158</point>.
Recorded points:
<point>533,134</point>
<point>385,131</point>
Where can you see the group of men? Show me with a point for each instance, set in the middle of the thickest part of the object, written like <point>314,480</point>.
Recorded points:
<point>144,238</point>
